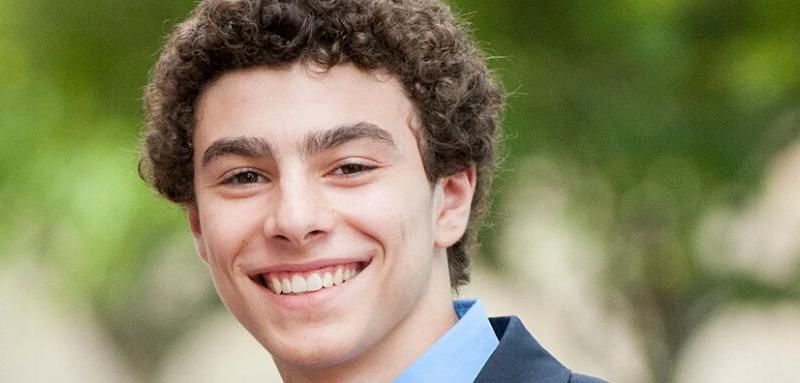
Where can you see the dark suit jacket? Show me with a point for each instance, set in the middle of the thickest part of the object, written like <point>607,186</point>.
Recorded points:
<point>520,358</point>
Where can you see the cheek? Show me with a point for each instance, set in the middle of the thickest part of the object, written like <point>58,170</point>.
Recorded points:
<point>398,215</point>
<point>227,233</point>
<point>227,228</point>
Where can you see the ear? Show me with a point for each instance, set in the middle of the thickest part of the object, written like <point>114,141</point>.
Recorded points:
<point>197,232</point>
<point>454,203</point>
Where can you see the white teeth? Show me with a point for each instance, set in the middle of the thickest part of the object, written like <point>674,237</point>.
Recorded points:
<point>275,284</point>
<point>327,279</point>
<point>314,282</point>
<point>338,276</point>
<point>299,284</point>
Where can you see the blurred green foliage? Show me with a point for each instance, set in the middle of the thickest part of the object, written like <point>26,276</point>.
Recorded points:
<point>676,104</point>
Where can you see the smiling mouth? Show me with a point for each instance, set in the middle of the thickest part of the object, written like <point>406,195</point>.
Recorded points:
<point>297,283</point>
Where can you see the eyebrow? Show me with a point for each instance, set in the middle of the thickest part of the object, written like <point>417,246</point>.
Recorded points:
<point>245,146</point>
<point>316,142</point>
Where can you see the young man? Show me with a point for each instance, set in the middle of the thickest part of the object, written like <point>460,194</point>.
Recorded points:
<point>334,157</point>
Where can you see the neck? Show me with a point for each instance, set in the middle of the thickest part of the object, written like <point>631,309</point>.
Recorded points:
<point>430,320</point>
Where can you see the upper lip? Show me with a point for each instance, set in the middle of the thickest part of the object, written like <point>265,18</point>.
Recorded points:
<point>307,266</point>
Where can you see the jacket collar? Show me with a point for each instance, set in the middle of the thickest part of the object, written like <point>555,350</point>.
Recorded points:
<point>519,357</point>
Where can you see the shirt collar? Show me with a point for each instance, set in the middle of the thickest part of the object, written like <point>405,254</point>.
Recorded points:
<point>459,355</point>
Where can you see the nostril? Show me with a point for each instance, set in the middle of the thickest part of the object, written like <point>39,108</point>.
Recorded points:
<point>281,237</point>
<point>312,233</point>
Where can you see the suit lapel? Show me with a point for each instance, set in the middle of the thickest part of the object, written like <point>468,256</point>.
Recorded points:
<point>519,357</point>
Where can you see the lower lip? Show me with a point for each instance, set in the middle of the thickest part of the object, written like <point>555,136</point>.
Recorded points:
<point>312,300</point>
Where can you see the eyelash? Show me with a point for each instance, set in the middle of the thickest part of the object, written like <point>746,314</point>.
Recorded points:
<point>235,178</point>
<point>360,168</point>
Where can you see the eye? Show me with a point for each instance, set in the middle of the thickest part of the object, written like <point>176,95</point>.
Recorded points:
<point>244,177</point>
<point>352,169</point>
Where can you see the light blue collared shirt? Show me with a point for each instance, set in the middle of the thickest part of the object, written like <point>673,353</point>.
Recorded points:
<point>459,355</point>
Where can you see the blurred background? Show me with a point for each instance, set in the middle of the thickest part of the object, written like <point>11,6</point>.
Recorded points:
<point>645,225</point>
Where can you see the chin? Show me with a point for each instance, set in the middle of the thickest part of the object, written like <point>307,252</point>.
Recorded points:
<point>314,353</point>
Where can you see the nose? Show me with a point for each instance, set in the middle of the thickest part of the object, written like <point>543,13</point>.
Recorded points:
<point>300,214</point>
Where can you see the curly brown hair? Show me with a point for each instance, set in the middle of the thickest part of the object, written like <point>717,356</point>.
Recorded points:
<point>457,100</point>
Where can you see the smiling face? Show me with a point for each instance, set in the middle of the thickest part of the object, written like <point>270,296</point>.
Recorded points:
<point>313,211</point>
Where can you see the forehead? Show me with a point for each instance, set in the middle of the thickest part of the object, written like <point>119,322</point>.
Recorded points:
<point>287,103</point>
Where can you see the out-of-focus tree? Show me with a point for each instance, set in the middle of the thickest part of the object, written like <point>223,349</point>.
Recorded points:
<point>677,106</point>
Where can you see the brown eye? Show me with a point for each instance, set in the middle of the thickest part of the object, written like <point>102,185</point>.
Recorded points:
<point>245,177</point>
<point>352,169</point>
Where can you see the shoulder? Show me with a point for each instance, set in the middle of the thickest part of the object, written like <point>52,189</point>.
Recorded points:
<point>578,378</point>
<point>520,358</point>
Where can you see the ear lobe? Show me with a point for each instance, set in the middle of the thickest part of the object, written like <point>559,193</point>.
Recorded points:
<point>455,205</point>
<point>197,232</point>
